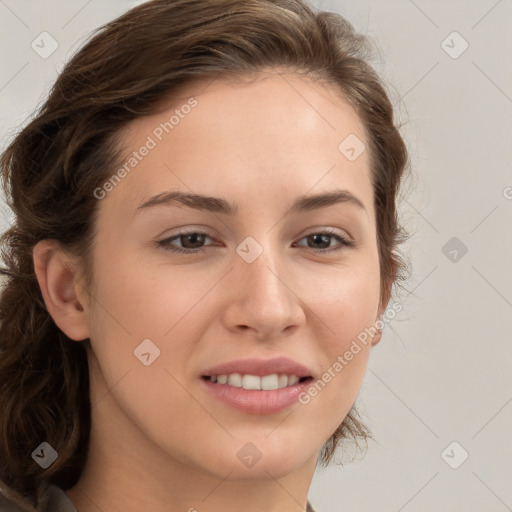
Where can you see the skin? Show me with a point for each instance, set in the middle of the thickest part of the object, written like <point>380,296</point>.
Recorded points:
<point>159,441</point>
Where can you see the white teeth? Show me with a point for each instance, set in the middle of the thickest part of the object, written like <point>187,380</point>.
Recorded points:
<point>283,381</point>
<point>270,382</point>
<point>292,379</point>
<point>222,379</point>
<point>267,382</point>
<point>251,382</point>
<point>235,379</point>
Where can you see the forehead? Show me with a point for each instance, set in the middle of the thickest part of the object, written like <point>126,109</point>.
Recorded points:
<point>264,134</point>
<point>261,105</point>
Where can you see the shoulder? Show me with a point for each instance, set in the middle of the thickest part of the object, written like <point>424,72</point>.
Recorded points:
<point>54,499</point>
<point>12,501</point>
<point>58,501</point>
<point>309,508</point>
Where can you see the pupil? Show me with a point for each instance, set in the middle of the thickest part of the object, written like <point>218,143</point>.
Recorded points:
<point>196,239</point>
<point>325,237</point>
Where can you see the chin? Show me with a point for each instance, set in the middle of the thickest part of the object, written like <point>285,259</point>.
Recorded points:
<point>257,457</point>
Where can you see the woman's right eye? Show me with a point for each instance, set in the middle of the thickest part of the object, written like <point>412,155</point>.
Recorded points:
<point>195,237</point>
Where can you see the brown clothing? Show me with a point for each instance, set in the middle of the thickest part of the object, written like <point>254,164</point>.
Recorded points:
<point>55,500</point>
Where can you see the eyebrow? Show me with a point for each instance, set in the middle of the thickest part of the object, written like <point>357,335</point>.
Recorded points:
<point>219,205</point>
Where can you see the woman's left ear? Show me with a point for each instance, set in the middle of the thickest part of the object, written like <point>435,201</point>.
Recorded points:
<point>386,296</point>
<point>378,334</point>
<point>379,323</point>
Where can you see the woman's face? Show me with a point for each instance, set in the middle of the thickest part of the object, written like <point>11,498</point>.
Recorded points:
<point>251,287</point>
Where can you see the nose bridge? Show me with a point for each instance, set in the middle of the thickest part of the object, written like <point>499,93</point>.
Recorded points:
<point>264,278</point>
<point>263,299</point>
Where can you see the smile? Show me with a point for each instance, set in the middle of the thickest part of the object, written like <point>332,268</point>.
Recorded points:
<point>256,382</point>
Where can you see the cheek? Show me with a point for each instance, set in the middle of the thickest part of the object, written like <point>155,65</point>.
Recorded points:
<point>347,305</point>
<point>346,300</point>
<point>138,299</point>
<point>135,302</point>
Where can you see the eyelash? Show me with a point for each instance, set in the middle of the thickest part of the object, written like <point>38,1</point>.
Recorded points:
<point>345,242</point>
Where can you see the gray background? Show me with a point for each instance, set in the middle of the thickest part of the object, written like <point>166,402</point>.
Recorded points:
<point>441,373</point>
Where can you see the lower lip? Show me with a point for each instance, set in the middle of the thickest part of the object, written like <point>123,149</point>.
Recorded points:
<point>254,401</point>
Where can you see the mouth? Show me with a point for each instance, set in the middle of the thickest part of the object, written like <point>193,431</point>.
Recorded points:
<point>256,394</point>
<point>250,382</point>
<point>257,385</point>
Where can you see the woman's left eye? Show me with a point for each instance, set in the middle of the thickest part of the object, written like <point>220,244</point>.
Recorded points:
<point>196,238</point>
<point>323,237</point>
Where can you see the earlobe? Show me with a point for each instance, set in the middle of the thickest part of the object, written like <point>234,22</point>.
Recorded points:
<point>377,337</point>
<point>379,325</point>
<point>379,322</point>
<point>60,287</point>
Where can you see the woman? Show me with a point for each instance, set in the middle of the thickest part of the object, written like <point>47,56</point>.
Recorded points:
<point>204,247</point>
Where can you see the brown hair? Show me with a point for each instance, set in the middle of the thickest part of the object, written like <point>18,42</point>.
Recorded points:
<point>51,168</point>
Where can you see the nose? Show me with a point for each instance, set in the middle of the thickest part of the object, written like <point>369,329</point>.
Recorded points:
<point>262,298</point>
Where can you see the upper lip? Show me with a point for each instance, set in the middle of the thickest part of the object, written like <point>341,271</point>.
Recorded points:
<point>259,367</point>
